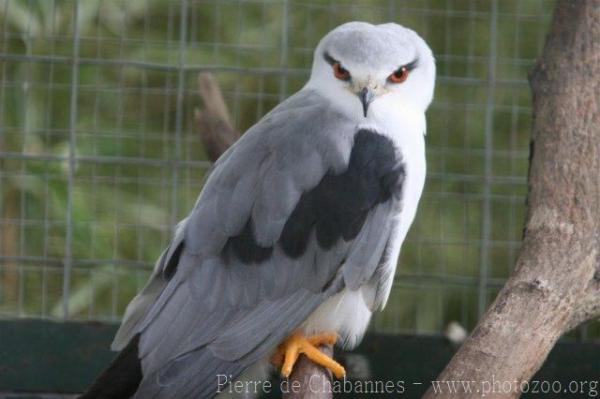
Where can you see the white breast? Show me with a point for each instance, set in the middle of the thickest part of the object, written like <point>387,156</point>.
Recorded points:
<point>406,128</point>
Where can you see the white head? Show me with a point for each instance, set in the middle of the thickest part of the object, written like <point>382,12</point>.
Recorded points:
<point>358,65</point>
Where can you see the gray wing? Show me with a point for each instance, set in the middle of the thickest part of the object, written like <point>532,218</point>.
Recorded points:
<point>376,290</point>
<point>296,210</point>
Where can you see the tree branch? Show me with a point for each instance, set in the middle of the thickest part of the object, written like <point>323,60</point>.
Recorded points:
<point>588,307</point>
<point>214,121</point>
<point>554,285</point>
<point>313,381</point>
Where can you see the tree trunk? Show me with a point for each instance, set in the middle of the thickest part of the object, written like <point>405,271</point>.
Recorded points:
<point>556,283</point>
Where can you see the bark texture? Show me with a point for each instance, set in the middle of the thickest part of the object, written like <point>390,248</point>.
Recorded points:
<point>556,282</point>
<point>217,133</point>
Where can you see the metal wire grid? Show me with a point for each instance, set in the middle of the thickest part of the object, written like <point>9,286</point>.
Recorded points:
<point>99,157</point>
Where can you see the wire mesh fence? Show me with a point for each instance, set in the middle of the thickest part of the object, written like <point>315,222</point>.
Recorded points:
<point>99,157</point>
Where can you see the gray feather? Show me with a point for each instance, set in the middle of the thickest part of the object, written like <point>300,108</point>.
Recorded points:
<point>376,291</point>
<point>368,250</point>
<point>139,307</point>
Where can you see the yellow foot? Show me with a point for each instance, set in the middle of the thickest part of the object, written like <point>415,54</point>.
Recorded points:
<point>287,353</point>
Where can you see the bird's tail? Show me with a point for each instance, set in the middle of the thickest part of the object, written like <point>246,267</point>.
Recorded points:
<point>121,379</point>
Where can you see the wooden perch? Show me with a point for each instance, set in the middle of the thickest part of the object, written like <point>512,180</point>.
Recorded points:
<point>313,381</point>
<point>214,121</point>
<point>215,127</point>
<point>556,282</point>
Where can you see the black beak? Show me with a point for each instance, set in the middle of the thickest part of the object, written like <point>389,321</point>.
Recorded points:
<point>366,96</point>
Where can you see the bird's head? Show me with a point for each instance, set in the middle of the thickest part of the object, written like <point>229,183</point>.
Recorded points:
<point>358,65</point>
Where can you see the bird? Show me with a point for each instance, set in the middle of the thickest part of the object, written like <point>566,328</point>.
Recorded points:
<point>294,239</point>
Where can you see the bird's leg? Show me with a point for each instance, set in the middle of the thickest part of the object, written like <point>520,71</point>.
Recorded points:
<point>288,352</point>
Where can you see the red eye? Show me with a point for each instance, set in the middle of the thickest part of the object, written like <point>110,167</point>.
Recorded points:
<point>340,73</point>
<point>399,76</point>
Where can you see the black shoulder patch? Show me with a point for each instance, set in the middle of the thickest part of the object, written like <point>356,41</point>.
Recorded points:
<point>173,262</point>
<point>245,247</point>
<point>338,206</point>
<point>122,378</point>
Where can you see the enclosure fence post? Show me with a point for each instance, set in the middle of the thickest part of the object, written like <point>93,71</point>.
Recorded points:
<point>484,260</point>
<point>68,257</point>
<point>181,75</point>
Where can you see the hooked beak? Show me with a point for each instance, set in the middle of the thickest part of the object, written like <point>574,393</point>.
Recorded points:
<point>366,96</point>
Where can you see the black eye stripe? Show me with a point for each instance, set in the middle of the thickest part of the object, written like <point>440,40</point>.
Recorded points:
<point>409,67</point>
<point>329,59</point>
<point>400,71</point>
<point>336,64</point>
